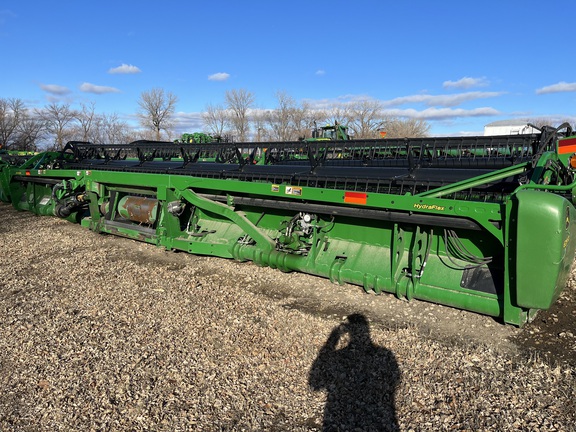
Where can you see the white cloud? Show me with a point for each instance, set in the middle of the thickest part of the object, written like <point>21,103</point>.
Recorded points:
<point>220,76</point>
<point>92,88</point>
<point>466,83</point>
<point>188,122</point>
<point>440,100</point>
<point>320,72</point>
<point>340,101</point>
<point>424,99</point>
<point>561,87</point>
<point>55,89</point>
<point>443,113</point>
<point>124,69</point>
<point>440,113</point>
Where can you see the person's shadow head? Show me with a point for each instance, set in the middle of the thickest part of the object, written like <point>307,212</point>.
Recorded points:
<point>359,377</point>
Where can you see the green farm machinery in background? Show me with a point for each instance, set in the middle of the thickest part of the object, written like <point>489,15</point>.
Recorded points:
<point>330,132</point>
<point>200,138</point>
<point>195,138</point>
<point>15,157</point>
<point>485,224</point>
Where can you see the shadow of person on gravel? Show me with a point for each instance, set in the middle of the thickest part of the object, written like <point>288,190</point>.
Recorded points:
<point>359,377</point>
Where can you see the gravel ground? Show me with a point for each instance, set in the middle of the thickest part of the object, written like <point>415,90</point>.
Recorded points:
<point>100,333</point>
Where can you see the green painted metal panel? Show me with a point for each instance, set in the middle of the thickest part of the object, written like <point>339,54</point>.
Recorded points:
<point>544,243</point>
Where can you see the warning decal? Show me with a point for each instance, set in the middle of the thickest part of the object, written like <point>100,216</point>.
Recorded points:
<point>355,198</point>
<point>293,190</point>
<point>567,146</point>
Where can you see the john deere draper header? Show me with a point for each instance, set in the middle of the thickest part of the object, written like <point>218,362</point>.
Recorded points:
<point>485,224</point>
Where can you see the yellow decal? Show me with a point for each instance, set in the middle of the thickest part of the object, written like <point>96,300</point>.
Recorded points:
<point>428,207</point>
<point>566,242</point>
<point>293,190</point>
<point>275,188</point>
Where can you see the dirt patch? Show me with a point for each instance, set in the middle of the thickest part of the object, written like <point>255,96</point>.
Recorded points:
<point>322,298</point>
<point>552,333</point>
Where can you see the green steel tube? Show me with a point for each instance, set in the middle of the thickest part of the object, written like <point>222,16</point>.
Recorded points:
<point>477,181</point>
<point>557,188</point>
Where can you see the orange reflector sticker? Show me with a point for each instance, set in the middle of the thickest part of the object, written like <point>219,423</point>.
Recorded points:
<point>355,197</point>
<point>567,146</point>
<point>27,172</point>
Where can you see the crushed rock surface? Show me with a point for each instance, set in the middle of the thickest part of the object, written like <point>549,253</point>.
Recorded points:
<point>100,333</point>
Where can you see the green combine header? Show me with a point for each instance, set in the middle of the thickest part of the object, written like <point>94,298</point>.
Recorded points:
<point>485,224</point>
<point>15,157</point>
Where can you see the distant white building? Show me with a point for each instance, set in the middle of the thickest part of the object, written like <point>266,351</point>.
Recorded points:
<point>509,127</point>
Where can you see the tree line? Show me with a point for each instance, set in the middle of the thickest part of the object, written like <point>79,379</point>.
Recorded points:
<point>237,118</point>
<point>52,126</point>
<point>291,120</point>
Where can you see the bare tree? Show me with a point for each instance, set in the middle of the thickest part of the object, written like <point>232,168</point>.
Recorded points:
<point>304,118</point>
<point>409,128</point>
<point>86,119</point>
<point>280,119</point>
<point>115,130</point>
<point>12,113</point>
<point>339,114</point>
<point>106,129</point>
<point>365,118</point>
<point>216,118</point>
<point>30,131</point>
<point>291,120</point>
<point>239,102</point>
<point>259,119</point>
<point>157,109</point>
<point>58,119</point>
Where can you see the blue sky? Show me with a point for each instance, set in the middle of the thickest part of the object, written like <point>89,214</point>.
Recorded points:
<point>457,64</point>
